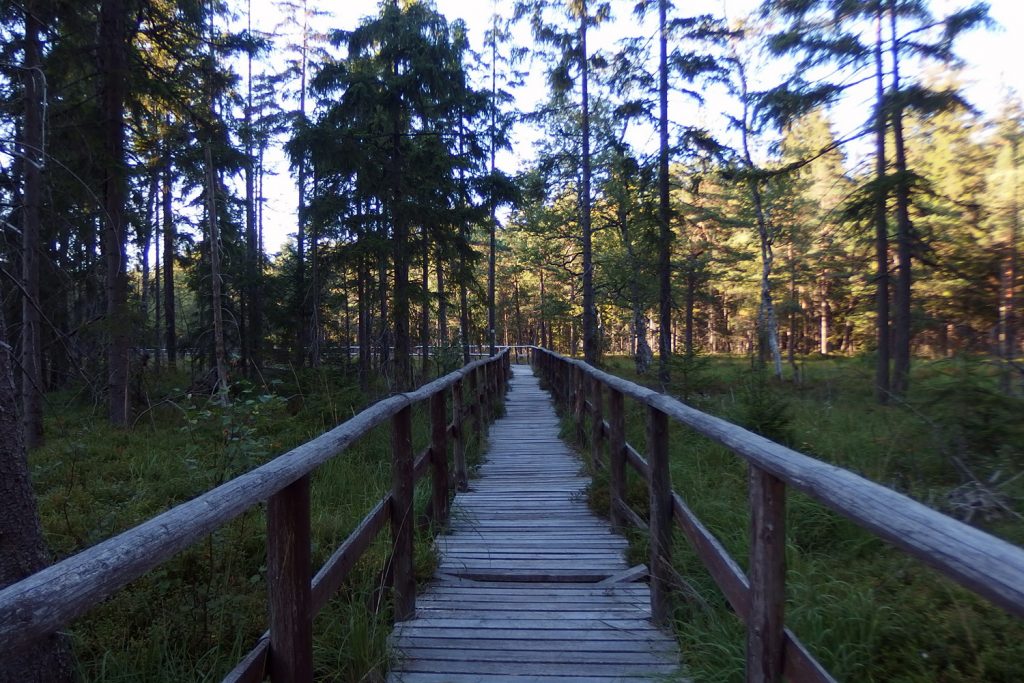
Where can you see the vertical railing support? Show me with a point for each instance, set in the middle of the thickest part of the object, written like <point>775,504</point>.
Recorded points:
<point>439,455</point>
<point>765,635</point>
<point>402,514</point>
<point>458,418</point>
<point>596,423</point>
<point>580,408</point>
<point>474,404</point>
<point>617,454</point>
<point>289,572</point>
<point>660,487</point>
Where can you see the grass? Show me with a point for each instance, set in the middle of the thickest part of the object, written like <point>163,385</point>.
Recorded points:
<point>865,610</point>
<point>194,617</point>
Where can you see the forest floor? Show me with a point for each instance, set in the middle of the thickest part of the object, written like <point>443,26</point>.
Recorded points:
<point>194,617</point>
<point>866,610</point>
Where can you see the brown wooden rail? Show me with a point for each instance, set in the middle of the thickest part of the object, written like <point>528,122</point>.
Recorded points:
<point>49,600</point>
<point>984,564</point>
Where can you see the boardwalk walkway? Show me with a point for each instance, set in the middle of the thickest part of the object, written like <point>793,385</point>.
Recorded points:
<point>527,586</point>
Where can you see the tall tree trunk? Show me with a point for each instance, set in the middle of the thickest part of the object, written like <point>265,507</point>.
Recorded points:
<point>31,327</point>
<point>114,78</point>
<point>825,314</point>
<point>664,229</point>
<point>253,340</point>
<point>301,321</point>
<point>22,549</point>
<point>220,355</point>
<point>545,334</point>
<point>442,302</point>
<point>1009,276</point>
<point>691,300</point>
<point>904,233</point>
<point>590,341</point>
<point>883,383</point>
<point>170,332</point>
<point>492,226</point>
<point>425,303</point>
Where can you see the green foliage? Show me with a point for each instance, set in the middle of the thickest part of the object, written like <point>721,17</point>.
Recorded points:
<point>763,408</point>
<point>865,610</point>
<point>196,615</point>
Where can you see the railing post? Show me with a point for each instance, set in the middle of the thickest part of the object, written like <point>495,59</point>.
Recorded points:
<point>765,635</point>
<point>439,454</point>
<point>458,418</point>
<point>474,404</point>
<point>617,454</point>
<point>660,487</point>
<point>596,423</point>
<point>289,573</point>
<point>402,514</point>
<point>580,409</point>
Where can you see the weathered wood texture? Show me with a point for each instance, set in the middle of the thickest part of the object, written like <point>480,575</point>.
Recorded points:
<point>48,600</point>
<point>983,563</point>
<point>516,592</point>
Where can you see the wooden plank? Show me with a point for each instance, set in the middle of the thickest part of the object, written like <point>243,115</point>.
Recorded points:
<point>984,564</point>
<point>636,573</point>
<point>253,667</point>
<point>458,416</point>
<point>517,585</point>
<point>660,520</point>
<point>439,455</point>
<point>48,600</point>
<point>617,454</point>
<point>765,624</point>
<point>288,587</point>
<point>402,515</point>
<point>596,422</point>
<point>334,571</point>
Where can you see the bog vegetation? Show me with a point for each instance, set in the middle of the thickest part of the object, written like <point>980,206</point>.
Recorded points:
<point>697,214</point>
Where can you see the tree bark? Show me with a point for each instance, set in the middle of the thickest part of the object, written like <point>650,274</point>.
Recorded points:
<point>252,342</point>
<point>219,350</point>
<point>31,327</point>
<point>171,337</point>
<point>22,550</point>
<point>590,341</point>
<point>904,234</point>
<point>664,229</point>
<point>113,58</point>
<point>883,384</point>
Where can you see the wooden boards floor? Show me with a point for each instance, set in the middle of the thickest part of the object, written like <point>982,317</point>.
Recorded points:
<point>518,593</point>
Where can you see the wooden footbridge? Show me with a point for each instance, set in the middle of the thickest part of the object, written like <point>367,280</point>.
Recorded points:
<point>531,585</point>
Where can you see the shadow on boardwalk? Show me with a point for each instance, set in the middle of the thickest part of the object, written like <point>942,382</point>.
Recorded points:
<point>527,584</point>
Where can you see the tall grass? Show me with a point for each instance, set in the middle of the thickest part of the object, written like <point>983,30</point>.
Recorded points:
<point>194,617</point>
<point>865,610</point>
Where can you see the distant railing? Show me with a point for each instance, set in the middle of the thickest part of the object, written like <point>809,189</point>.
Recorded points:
<point>54,597</point>
<point>984,564</point>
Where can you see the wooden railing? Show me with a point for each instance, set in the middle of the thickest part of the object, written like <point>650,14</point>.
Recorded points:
<point>49,600</point>
<point>984,564</point>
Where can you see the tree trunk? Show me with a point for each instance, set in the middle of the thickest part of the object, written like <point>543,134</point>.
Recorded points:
<point>493,224</point>
<point>1008,280</point>
<point>442,302</point>
<point>22,550</point>
<point>664,229</point>
<point>825,314</point>
<point>253,341</point>
<point>301,321</point>
<point>590,343</point>
<point>883,385</point>
<point>904,235</point>
<point>171,337</point>
<point>219,350</point>
<point>114,79</point>
<point>425,319</point>
<point>31,327</point>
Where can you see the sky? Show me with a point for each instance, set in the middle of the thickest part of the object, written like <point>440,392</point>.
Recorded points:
<point>992,71</point>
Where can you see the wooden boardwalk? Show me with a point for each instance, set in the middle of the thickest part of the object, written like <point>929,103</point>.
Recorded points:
<point>531,585</point>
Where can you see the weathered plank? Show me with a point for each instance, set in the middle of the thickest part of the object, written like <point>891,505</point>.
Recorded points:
<point>517,584</point>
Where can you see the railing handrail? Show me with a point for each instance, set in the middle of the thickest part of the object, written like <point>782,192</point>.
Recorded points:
<point>53,597</point>
<point>981,562</point>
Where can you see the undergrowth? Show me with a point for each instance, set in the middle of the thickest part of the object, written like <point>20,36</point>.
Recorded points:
<point>195,616</point>
<point>867,611</point>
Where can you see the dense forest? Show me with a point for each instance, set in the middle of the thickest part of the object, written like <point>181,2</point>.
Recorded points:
<point>696,192</point>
